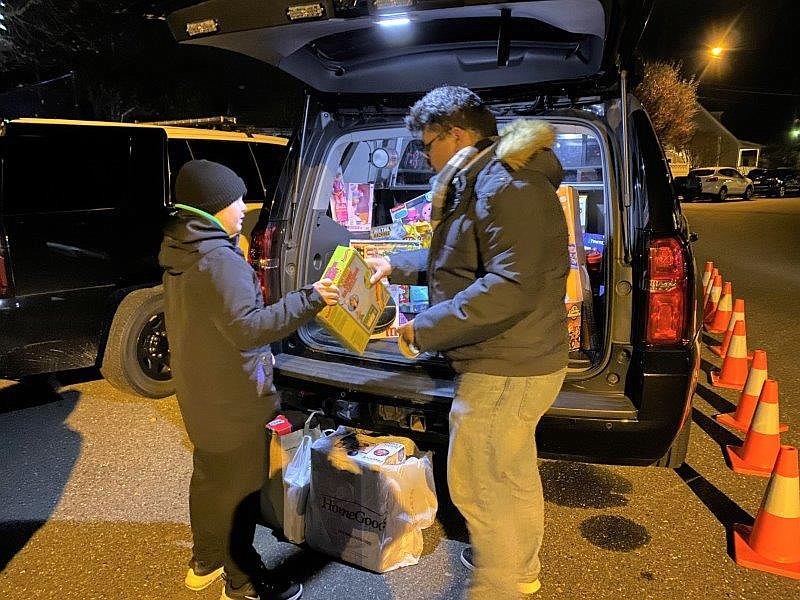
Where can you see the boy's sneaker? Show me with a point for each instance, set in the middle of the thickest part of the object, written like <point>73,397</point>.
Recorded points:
<point>271,591</point>
<point>200,576</point>
<point>529,587</point>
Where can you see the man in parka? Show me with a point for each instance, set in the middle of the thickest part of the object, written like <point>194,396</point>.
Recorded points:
<point>496,273</point>
<point>219,334</point>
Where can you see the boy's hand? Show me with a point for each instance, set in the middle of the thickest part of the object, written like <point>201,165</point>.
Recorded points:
<point>380,266</point>
<point>328,291</point>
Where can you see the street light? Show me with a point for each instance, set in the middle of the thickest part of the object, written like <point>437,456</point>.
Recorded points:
<point>717,51</point>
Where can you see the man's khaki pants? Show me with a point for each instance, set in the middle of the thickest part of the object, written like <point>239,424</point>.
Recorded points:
<point>493,475</point>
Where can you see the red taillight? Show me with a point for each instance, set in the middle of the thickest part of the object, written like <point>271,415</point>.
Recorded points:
<point>264,257</point>
<point>3,273</point>
<point>667,289</point>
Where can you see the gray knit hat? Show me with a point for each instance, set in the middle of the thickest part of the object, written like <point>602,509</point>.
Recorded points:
<point>208,186</point>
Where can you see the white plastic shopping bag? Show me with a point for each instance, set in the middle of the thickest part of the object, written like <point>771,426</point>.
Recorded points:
<point>296,482</point>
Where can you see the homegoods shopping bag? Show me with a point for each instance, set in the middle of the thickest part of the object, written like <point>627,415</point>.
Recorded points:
<point>370,499</point>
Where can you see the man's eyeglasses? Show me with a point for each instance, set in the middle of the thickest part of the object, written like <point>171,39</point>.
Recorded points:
<point>426,146</point>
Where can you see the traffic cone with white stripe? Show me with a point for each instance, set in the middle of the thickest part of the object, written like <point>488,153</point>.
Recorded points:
<point>743,416</point>
<point>709,285</point>
<point>724,311</point>
<point>707,273</point>
<point>736,315</point>
<point>772,544</point>
<point>763,440</point>
<point>713,300</point>
<point>734,366</point>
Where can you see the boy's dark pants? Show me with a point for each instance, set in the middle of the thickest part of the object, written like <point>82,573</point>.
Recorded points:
<point>224,506</point>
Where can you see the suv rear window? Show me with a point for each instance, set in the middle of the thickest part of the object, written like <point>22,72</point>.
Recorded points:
<point>701,172</point>
<point>64,173</point>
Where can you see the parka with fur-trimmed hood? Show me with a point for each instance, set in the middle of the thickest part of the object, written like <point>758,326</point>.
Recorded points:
<point>498,262</point>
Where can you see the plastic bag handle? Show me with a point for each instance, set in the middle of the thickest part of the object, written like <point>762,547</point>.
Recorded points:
<point>307,426</point>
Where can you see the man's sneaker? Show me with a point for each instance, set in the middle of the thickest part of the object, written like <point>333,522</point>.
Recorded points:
<point>466,558</point>
<point>530,587</point>
<point>246,591</point>
<point>275,591</point>
<point>281,589</point>
<point>200,576</point>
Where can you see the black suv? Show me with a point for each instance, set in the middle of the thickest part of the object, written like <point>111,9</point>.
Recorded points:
<point>82,205</point>
<point>778,182</point>
<point>627,395</point>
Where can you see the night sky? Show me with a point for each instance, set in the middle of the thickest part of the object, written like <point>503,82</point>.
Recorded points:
<point>757,83</point>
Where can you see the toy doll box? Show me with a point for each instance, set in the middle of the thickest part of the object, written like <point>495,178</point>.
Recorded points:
<point>360,305</point>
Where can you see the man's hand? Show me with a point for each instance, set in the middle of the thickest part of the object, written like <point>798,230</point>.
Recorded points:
<point>380,266</point>
<point>328,291</point>
<point>407,340</point>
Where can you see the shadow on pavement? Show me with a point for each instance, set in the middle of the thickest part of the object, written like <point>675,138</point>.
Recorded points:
<point>709,340</point>
<point>714,430</point>
<point>722,405</point>
<point>707,367</point>
<point>580,485</point>
<point>40,451</point>
<point>726,511</point>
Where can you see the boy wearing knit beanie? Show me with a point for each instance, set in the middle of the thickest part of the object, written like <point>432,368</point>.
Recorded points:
<point>220,331</point>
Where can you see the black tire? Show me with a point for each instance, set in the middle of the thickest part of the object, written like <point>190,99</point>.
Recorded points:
<point>722,195</point>
<point>748,193</point>
<point>136,358</point>
<point>676,455</point>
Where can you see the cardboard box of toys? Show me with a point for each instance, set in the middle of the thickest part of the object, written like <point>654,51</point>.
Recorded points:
<point>387,247</point>
<point>353,320</point>
<point>578,279</point>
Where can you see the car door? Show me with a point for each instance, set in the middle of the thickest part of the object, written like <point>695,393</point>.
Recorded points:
<point>62,185</point>
<point>729,181</point>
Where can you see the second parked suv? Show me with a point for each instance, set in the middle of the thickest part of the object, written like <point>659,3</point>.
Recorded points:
<point>82,205</point>
<point>626,397</point>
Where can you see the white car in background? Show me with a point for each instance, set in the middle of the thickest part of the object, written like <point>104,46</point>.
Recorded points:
<point>719,183</point>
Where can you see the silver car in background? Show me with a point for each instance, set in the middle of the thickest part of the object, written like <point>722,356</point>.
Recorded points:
<point>718,183</point>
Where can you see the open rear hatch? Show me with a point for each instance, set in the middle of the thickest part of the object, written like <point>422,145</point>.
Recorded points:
<point>411,46</point>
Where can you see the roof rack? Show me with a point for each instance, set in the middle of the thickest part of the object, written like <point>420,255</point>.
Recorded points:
<point>222,122</point>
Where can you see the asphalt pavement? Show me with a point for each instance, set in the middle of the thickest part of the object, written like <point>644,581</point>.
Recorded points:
<point>93,503</point>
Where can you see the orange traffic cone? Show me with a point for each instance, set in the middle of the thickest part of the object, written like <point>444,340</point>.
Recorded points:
<point>772,544</point>
<point>707,273</point>
<point>743,416</point>
<point>736,315</point>
<point>713,299</point>
<point>763,440</point>
<point>724,310</point>
<point>734,366</point>
<point>709,285</point>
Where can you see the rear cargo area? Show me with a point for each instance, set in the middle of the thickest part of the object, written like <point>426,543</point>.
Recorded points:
<point>373,194</point>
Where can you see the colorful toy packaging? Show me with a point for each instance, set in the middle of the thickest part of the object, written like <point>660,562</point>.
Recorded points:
<point>353,319</point>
